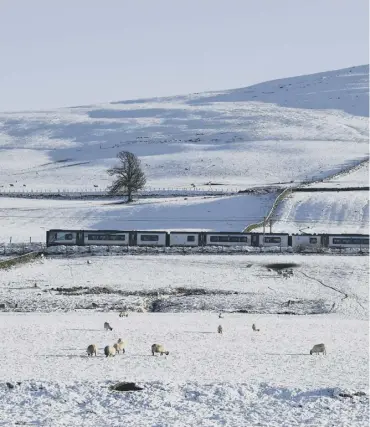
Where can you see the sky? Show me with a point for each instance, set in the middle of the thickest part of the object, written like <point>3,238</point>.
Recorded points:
<point>58,53</point>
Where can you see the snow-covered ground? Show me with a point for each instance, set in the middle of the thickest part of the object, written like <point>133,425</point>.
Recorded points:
<point>241,377</point>
<point>177,283</point>
<point>323,212</point>
<point>280,131</point>
<point>356,178</point>
<point>21,219</point>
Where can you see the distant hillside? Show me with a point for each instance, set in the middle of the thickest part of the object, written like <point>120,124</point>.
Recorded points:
<point>274,132</point>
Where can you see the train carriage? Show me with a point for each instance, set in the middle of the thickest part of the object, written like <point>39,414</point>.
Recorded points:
<point>150,238</point>
<point>225,238</point>
<point>270,239</point>
<point>64,237</point>
<point>185,238</point>
<point>306,241</point>
<point>107,237</point>
<point>346,240</point>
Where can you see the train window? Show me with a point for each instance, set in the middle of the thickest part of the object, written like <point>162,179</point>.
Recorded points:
<point>214,239</point>
<point>244,239</point>
<point>120,237</point>
<point>313,239</point>
<point>191,239</point>
<point>223,238</point>
<point>272,239</point>
<point>68,236</point>
<point>350,241</point>
<point>149,238</point>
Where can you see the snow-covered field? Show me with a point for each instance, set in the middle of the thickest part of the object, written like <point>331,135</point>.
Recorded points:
<point>323,212</point>
<point>280,131</point>
<point>265,378</point>
<point>177,283</point>
<point>241,377</point>
<point>21,219</point>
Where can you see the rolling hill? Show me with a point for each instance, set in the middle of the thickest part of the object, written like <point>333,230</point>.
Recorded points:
<point>278,132</point>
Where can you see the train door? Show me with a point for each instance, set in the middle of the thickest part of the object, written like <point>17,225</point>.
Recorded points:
<point>202,239</point>
<point>255,239</point>
<point>325,240</point>
<point>80,238</point>
<point>132,238</point>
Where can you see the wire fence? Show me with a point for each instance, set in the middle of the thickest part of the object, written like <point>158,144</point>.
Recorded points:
<point>96,192</point>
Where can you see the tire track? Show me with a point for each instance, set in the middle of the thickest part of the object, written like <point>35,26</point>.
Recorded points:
<point>345,295</point>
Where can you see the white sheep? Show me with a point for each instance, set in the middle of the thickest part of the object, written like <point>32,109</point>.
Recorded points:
<point>318,348</point>
<point>158,348</point>
<point>219,329</point>
<point>123,314</point>
<point>107,326</point>
<point>92,349</point>
<point>119,346</point>
<point>220,316</point>
<point>255,328</point>
<point>88,261</point>
<point>120,340</point>
<point>109,351</point>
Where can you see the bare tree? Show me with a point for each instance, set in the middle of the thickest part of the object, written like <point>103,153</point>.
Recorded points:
<point>129,176</point>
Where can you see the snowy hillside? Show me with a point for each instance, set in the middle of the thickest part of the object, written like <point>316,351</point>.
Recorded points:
<point>275,132</point>
<point>359,177</point>
<point>324,212</point>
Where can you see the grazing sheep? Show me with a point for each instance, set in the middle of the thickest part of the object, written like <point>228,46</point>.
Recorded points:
<point>123,314</point>
<point>158,348</point>
<point>107,326</point>
<point>255,328</point>
<point>220,316</point>
<point>92,349</point>
<point>119,346</point>
<point>109,351</point>
<point>318,348</point>
<point>219,329</point>
<point>88,261</point>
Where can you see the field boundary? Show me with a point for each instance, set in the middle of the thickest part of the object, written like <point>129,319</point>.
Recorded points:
<point>21,259</point>
<point>303,187</point>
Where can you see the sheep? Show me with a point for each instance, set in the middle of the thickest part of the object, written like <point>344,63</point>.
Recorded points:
<point>219,329</point>
<point>88,261</point>
<point>120,340</point>
<point>318,348</point>
<point>220,316</point>
<point>158,348</point>
<point>255,328</point>
<point>107,326</point>
<point>119,346</point>
<point>92,349</point>
<point>123,314</point>
<point>109,351</point>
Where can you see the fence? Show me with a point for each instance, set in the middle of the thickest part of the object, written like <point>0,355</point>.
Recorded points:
<point>280,197</point>
<point>88,192</point>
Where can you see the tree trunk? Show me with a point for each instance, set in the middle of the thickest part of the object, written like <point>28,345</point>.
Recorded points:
<point>129,197</point>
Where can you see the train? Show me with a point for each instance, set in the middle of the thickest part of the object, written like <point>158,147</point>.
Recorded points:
<point>202,238</point>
